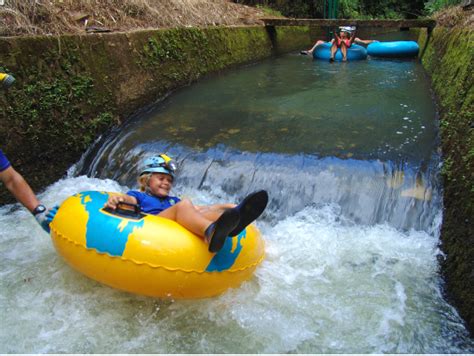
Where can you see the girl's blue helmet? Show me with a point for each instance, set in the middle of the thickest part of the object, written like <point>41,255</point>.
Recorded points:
<point>159,164</point>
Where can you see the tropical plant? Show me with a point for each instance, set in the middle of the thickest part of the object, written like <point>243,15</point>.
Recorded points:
<point>355,8</point>
<point>432,6</point>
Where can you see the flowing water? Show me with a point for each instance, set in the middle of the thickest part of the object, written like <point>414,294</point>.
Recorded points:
<point>348,153</point>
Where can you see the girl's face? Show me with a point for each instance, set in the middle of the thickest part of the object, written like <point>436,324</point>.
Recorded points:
<point>344,35</point>
<point>160,184</point>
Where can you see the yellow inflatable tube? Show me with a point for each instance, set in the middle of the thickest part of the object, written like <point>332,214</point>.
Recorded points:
<point>147,254</point>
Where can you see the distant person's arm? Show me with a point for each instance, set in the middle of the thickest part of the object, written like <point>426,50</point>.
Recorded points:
<point>353,37</point>
<point>358,40</point>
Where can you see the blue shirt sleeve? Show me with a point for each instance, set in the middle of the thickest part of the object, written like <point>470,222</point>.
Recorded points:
<point>151,204</point>
<point>4,163</point>
<point>137,195</point>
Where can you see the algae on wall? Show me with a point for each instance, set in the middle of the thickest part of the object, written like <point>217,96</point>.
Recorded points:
<point>71,89</point>
<point>449,60</point>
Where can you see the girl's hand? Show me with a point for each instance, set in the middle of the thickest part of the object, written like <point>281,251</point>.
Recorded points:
<point>113,201</point>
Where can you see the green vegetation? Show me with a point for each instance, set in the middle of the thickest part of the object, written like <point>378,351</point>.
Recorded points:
<point>359,9</point>
<point>433,6</point>
<point>268,11</point>
<point>54,110</point>
<point>167,48</point>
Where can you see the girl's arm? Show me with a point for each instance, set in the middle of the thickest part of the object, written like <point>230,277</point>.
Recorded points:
<point>358,40</point>
<point>353,36</point>
<point>336,35</point>
<point>114,200</point>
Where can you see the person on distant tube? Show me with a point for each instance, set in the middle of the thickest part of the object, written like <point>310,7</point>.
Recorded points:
<point>343,41</point>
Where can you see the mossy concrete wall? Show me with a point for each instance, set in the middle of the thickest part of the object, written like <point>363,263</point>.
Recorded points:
<point>448,58</point>
<point>70,89</point>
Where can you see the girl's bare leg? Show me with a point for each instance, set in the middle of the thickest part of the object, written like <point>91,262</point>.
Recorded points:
<point>214,232</point>
<point>333,51</point>
<point>214,223</point>
<point>186,214</point>
<point>213,212</point>
<point>344,51</point>
<point>319,42</point>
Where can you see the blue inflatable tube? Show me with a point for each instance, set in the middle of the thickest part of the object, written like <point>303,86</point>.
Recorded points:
<point>394,49</point>
<point>354,52</point>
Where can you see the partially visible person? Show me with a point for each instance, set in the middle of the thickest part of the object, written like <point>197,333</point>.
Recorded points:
<point>15,182</point>
<point>213,223</point>
<point>343,40</point>
<point>22,192</point>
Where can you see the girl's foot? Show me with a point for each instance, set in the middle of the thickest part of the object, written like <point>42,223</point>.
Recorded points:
<point>216,234</point>
<point>331,60</point>
<point>250,209</point>
<point>305,53</point>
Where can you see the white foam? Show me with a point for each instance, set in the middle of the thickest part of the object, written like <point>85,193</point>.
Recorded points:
<point>327,285</point>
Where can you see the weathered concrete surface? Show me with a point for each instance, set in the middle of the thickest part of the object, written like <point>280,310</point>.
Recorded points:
<point>449,58</point>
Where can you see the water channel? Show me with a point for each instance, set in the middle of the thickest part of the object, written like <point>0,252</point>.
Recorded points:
<point>349,155</point>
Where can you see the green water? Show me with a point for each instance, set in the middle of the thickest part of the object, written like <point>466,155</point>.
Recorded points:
<point>365,109</point>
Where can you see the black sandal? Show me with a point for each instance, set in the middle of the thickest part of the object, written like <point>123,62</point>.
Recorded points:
<point>250,209</point>
<point>216,234</point>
